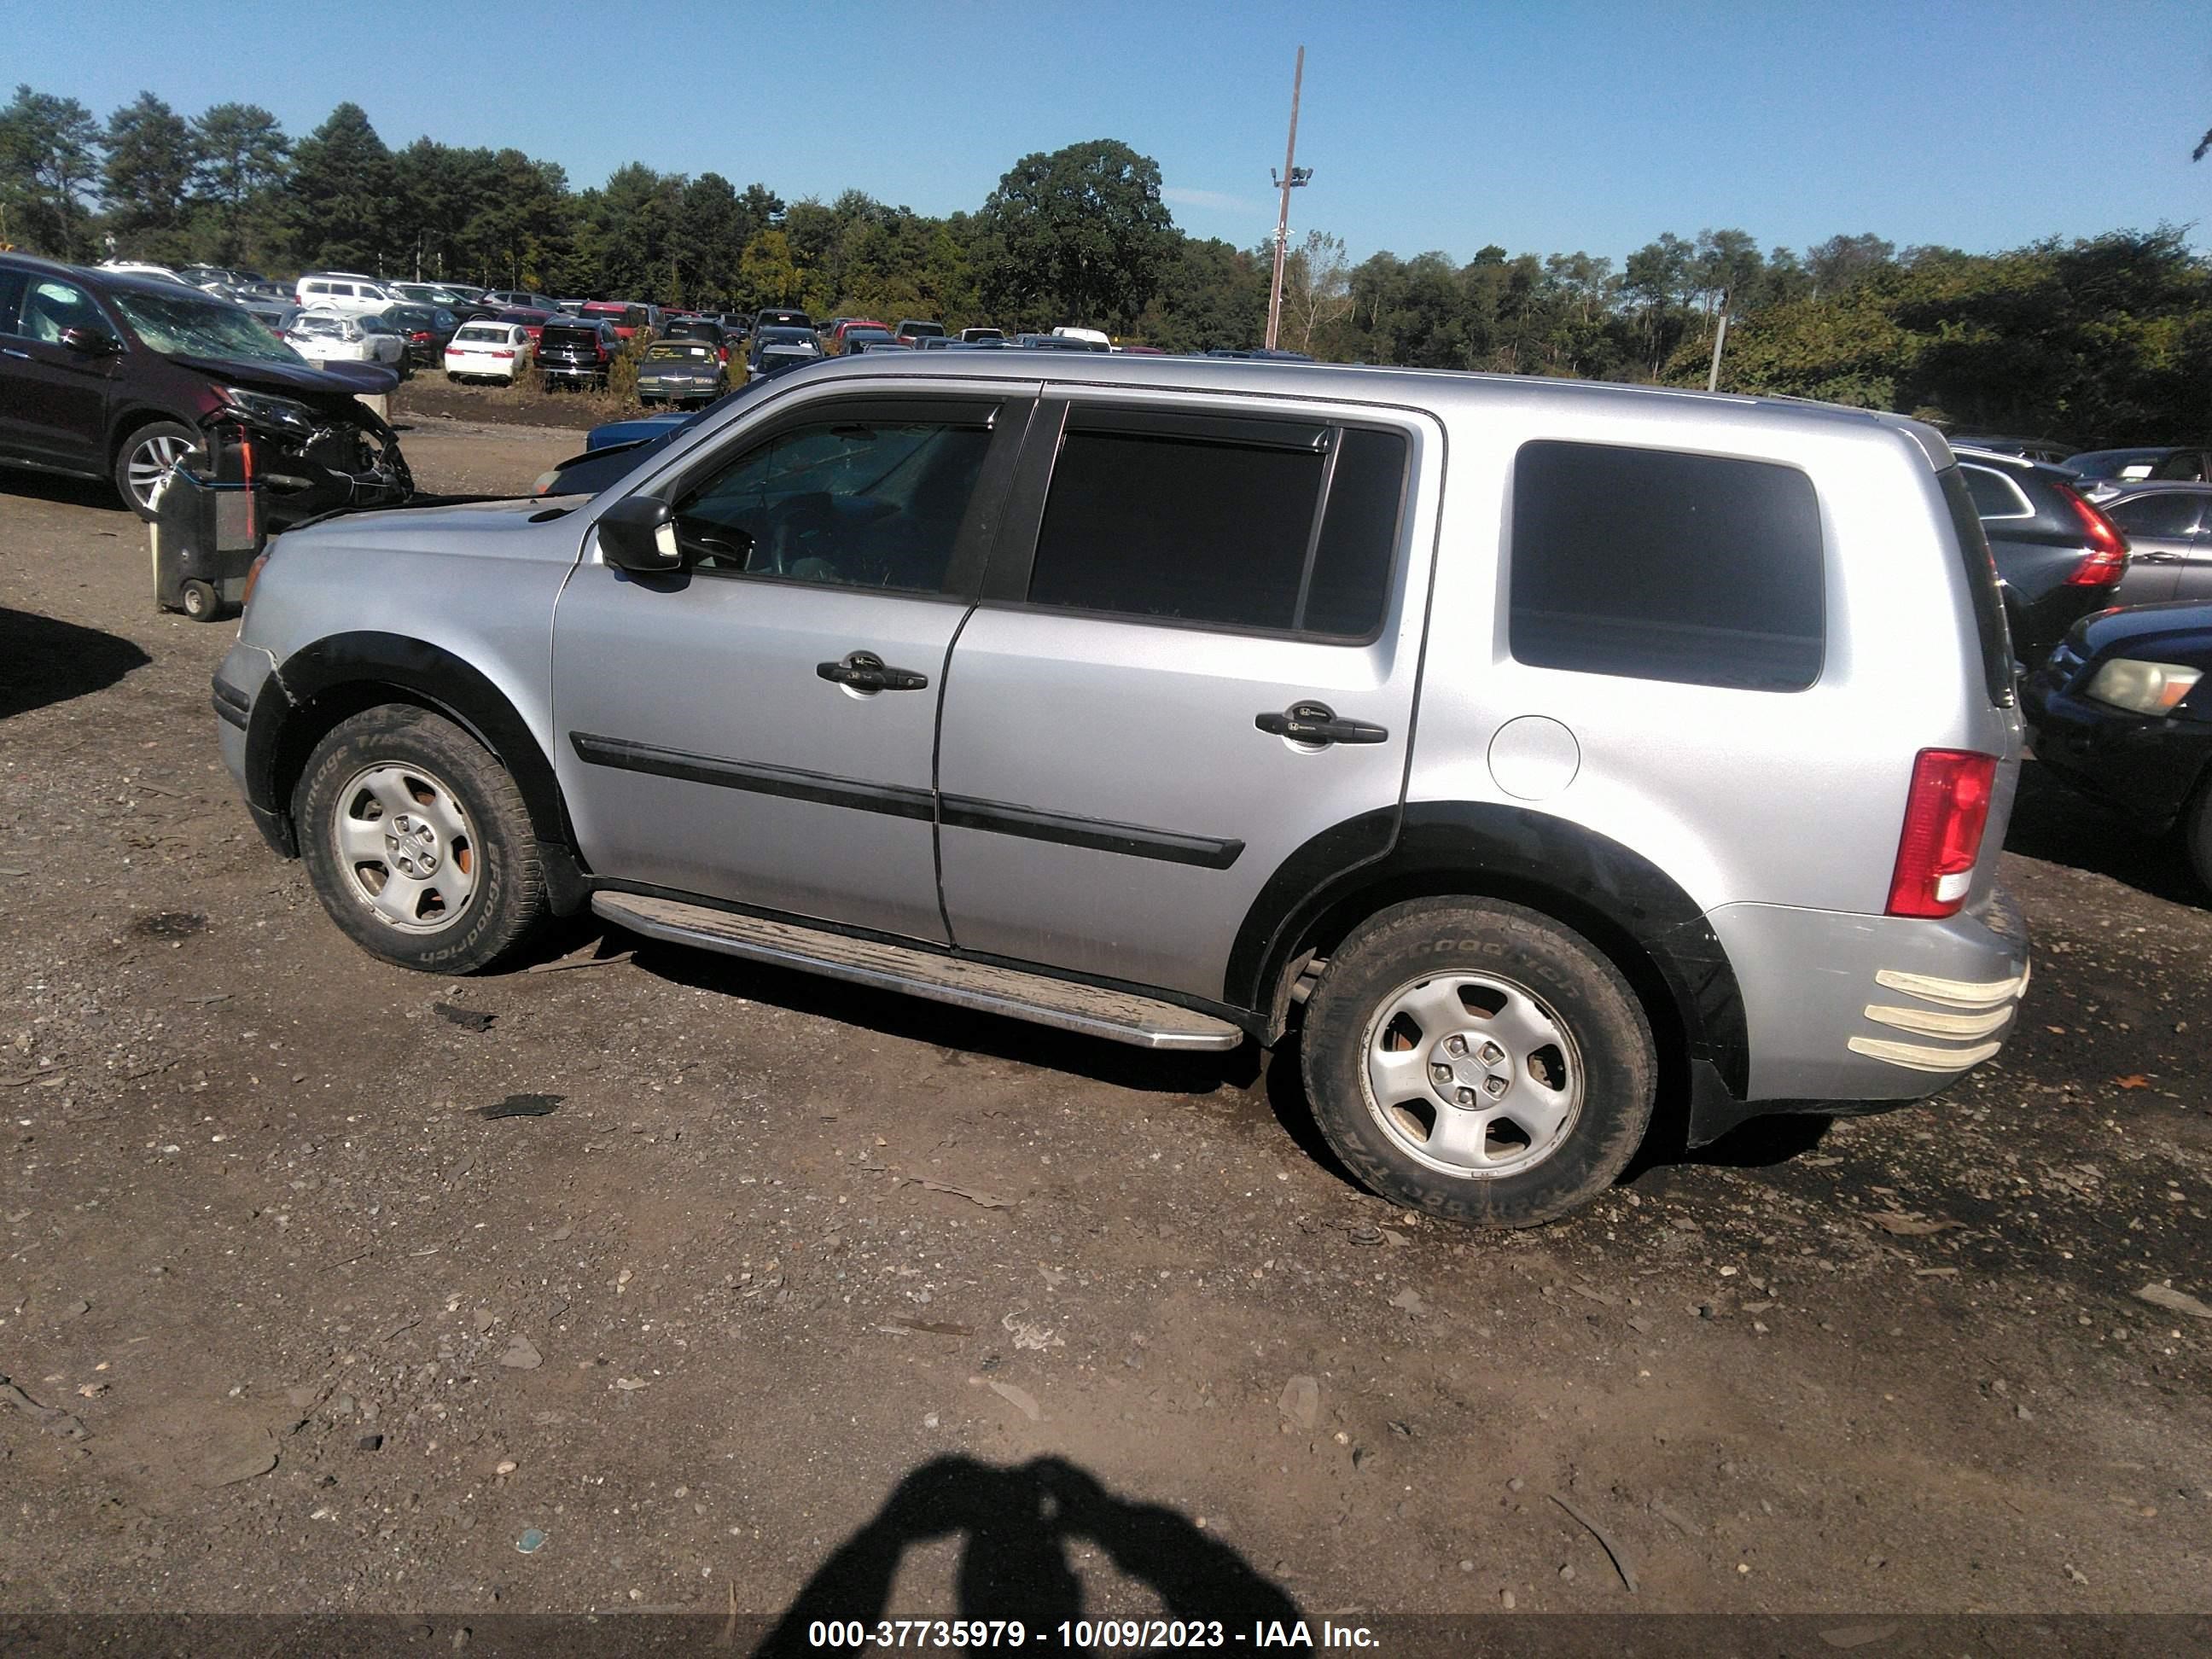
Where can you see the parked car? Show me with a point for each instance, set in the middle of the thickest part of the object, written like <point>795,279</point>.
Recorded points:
<point>1058,343</point>
<point>971,335</point>
<point>140,268</point>
<point>577,351</point>
<point>426,330</point>
<point>2169,532</point>
<point>112,377</point>
<point>532,319</point>
<point>913,331</point>
<point>707,329</point>
<point>281,292</point>
<point>518,299</point>
<point>2122,711</point>
<point>777,347</point>
<point>329,336</point>
<point>348,292</point>
<point>859,343</point>
<point>856,336</point>
<point>2059,557</point>
<point>842,328</point>
<point>439,297</point>
<point>683,373</point>
<point>628,317</point>
<point>489,351</point>
<point>2049,451</point>
<point>779,317</point>
<point>1262,353</point>
<point>2102,472</point>
<point>1094,337</point>
<point>1502,897</point>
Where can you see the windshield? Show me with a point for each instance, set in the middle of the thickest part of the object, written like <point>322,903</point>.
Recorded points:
<point>183,325</point>
<point>671,352</point>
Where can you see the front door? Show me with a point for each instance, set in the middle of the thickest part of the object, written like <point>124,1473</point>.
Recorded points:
<point>760,728</point>
<point>53,397</point>
<point>1198,655</point>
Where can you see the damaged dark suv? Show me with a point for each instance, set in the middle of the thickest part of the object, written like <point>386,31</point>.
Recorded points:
<point>107,376</point>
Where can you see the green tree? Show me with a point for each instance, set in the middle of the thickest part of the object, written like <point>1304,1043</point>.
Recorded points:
<point>151,156</point>
<point>1079,235</point>
<point>767,274</point>
<point>49,149</point>
<point>242,155</point>
<point>342,200</point>
<point>708,238</point>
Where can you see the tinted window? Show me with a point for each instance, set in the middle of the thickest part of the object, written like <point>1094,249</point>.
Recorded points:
<point>49,307</point>
<point>12,283</point>
<point>2169,513</point>
<point>850,503</point>
<point>1995,495</point>
<point>1215,522</point>
<point>1664,566</point>
<point>2189,465</point>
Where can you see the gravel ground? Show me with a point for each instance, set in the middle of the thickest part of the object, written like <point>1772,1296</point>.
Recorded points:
<point>797,1283</point>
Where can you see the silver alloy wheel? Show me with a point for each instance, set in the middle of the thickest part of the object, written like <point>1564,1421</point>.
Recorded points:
<point>150,458</point>
<point>1472,1075</point>
<point>405,842</point>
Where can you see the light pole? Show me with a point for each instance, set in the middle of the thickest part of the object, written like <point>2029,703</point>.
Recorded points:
<point>1292,177</point>
<point>1720,337</point>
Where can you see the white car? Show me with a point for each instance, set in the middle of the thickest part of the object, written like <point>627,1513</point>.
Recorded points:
<point>346,291</point>
<point>489,351</point>
<point>325,337</point>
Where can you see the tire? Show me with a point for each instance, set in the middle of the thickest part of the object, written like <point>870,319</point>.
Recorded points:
<point>151,449</point>
<point>2197,828</point>
<point>1552,1068</point>
<point>201,602</point>
<point>470,886</point>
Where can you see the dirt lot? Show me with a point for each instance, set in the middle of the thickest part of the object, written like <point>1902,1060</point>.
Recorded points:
<point>291,1325</point>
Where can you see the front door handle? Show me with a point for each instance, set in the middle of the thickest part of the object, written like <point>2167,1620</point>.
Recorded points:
<point>1316,722</point>
<point>2157,555</point>
<point>10,351</point>
<point>864,671</point>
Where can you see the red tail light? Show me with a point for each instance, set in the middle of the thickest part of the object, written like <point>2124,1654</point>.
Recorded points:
<point>502,352</point>
<point>2108,559</point>
<point>1945,813</point>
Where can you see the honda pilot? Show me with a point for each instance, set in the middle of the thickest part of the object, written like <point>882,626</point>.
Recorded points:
<point>1545,760</point>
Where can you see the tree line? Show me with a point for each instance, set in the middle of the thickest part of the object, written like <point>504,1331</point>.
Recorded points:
<point>2103,339</point>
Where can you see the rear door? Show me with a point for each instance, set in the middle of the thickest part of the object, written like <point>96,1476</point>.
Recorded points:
<point>761,728</point>
<point>1196,651</point>
<point>2163,544</point>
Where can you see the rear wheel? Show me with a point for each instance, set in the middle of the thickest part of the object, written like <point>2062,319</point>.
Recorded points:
<point>418,842</point>
<point>1478,1062</point>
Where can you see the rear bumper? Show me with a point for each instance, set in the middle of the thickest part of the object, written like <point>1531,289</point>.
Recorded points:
<point>1845,1011</point>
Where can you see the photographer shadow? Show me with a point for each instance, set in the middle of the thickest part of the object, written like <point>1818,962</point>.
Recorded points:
<point>1017,1523</point>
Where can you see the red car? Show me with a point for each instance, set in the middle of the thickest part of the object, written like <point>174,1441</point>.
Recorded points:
<point>535,321</point>
<point>844,325</point>
<point>627,315</point>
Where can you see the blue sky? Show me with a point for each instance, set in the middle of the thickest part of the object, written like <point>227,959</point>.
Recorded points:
<point>1543,127</point>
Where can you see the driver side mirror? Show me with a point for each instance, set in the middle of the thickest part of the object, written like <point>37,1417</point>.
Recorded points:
<point>88,342</point>
<point>638,534</point>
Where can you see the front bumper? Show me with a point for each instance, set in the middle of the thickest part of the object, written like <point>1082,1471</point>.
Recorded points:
<point>2144,766</point>
<point>1845,1011</point>
<point>239,682</point>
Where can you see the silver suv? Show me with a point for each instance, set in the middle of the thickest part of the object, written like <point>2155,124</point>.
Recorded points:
<point>1564,764</point>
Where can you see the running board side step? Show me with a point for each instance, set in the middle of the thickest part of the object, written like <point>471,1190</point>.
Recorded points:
<point>1117,1016</point>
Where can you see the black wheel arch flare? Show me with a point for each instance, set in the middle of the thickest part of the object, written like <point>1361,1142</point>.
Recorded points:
<point>341,674</point>
<point>1626,906</point>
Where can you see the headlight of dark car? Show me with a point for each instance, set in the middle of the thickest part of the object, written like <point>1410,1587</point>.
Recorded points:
<point>271,414</point>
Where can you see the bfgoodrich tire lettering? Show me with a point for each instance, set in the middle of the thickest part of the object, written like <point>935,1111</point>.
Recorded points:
<point>1478,1062</point>
<point>418,842</point>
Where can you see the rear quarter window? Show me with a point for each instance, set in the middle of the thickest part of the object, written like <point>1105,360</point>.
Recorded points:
<point>1662,565</point>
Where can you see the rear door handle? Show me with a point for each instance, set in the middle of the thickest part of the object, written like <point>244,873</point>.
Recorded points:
<point>1316,722</point>
<point>864,671</point>
<point>10,351</point>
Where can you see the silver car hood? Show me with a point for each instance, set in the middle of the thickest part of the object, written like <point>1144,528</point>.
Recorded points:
<point>526,527</point>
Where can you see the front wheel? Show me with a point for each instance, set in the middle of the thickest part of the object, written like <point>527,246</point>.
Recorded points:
<point>418,842</point>
<point>2197,825</point>
<point>145,458</point>
<point>1478,1062</point>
